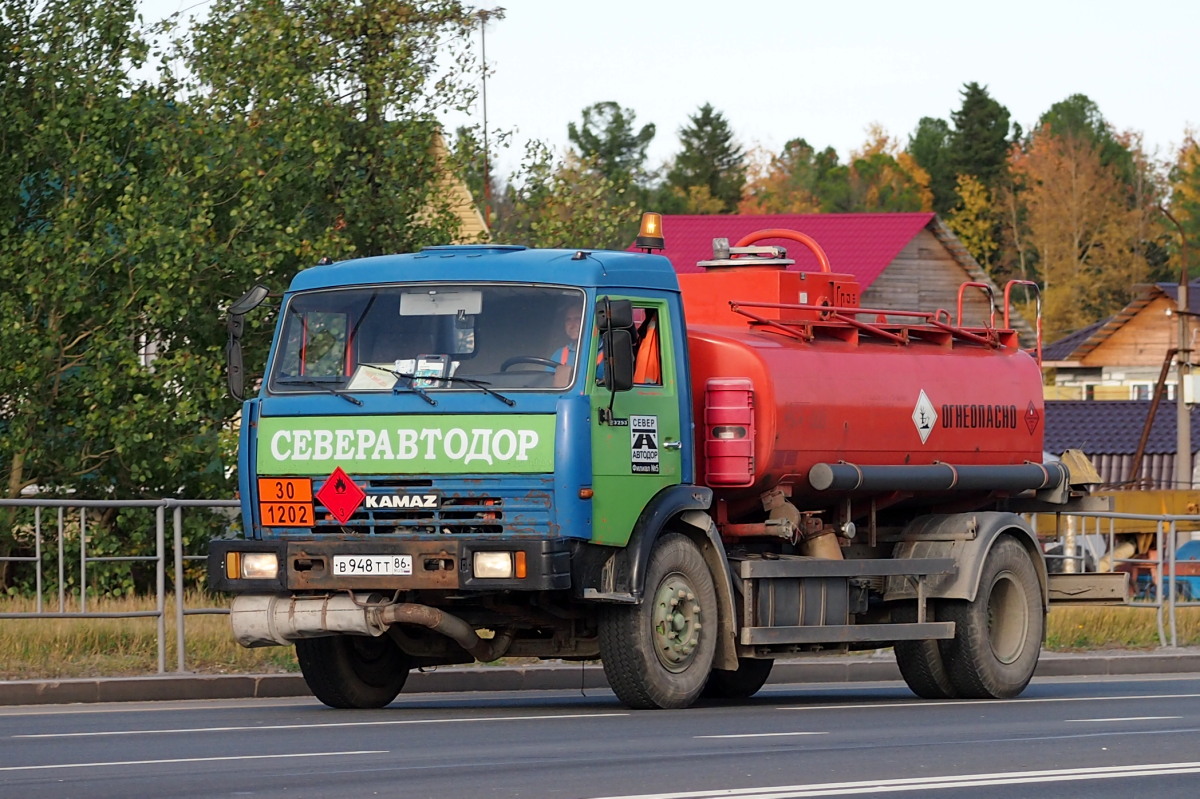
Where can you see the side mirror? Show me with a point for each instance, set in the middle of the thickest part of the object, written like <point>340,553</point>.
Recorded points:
<point>235,324</point>
<point>613,314</point>
<point>249,301</point>
<point>614,320</point>
<point>618,360</point>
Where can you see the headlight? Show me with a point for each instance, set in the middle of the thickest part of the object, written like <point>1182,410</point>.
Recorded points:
<point>495,565</point>
<point>252,565</point>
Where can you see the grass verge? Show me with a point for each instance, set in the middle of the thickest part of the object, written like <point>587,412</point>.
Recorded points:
<point>66,648</point>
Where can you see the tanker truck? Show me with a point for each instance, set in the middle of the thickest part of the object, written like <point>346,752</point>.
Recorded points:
<point>484,451</point>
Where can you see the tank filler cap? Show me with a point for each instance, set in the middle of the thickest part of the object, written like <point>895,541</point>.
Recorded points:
<point>723,256</point>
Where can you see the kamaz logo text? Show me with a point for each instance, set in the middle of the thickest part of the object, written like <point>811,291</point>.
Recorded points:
<point>377,501</point>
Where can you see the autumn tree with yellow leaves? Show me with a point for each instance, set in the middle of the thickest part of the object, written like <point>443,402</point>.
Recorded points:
<point>1078,225</point>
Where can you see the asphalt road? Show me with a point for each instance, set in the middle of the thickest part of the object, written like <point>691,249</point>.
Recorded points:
<point>1068,737</point>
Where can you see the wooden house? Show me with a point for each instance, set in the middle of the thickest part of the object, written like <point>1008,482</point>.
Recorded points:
<point>1121,357</point>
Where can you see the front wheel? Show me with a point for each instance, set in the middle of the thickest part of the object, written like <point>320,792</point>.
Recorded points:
<point>998,636</point>
<point>658,654</point>
<point>353,671</point>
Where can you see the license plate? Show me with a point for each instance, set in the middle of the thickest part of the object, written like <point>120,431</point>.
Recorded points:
<point>383,565</point>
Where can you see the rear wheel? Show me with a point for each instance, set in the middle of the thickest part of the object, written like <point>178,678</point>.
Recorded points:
<point>743,683</point>
<point>353,671</point>
<point>921,664</point>
<point>658,654</point>
<point>998,636</point>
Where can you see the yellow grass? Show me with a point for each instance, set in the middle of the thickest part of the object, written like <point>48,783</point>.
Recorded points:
<point>65,648</point>
<point>1075,628</point>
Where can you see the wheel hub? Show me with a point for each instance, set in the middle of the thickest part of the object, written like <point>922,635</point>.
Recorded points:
<point>677,622</point>
<point>1008,622</point>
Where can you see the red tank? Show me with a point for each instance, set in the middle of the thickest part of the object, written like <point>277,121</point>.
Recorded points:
<point>795,385</point>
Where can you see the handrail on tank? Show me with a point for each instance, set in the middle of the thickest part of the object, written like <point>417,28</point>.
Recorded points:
<point>844,315</point>
<point>1037,291</point>
<point>991,301</point>
<point>791,235</point>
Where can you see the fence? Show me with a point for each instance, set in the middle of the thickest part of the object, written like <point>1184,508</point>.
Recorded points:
<point>1155,577</point>
<point>158,559</point>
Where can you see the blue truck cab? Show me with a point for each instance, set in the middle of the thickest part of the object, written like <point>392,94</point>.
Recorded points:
<point>441,430</point>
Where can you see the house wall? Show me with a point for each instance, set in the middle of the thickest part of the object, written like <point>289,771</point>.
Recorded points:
<point>1126,364</point>
<point>1141,342</point>
<point>925,276</point>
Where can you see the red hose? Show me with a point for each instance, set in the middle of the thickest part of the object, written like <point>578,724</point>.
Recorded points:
<point>791,235</point>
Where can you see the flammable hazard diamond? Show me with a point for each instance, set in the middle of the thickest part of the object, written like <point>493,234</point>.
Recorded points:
<point>341,495</point>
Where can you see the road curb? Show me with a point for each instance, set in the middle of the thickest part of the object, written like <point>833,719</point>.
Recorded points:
<point>844,669</point>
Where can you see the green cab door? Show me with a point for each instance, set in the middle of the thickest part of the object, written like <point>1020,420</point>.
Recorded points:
<point>640,450</point>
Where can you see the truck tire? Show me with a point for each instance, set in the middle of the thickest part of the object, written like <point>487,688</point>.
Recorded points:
<point>921,663</point>
<point>743,683</point>
<point>353,671</point>
<point>998,636</point>
<point>658,654</point>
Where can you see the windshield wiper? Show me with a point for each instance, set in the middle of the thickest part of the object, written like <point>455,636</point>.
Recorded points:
<point>479,384</point>
<point>320,385</point>
<point>482,385</point>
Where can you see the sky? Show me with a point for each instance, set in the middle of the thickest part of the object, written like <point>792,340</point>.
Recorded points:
<point>826,71</point>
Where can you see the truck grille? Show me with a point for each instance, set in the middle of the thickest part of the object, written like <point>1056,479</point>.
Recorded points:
<point>464,507</point>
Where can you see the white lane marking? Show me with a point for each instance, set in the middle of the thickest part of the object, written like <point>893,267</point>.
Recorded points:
<point>760,735</point>
<point>253,728</point>
<point>1125,718</point>
<point>974,702</point>
<point>930,783</point>
<point>191,760</point>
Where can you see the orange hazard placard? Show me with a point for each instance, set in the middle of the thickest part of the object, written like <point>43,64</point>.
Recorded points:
<point>285,502</point>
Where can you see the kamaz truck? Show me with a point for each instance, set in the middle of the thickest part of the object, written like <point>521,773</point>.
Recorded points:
<point>485,451</point>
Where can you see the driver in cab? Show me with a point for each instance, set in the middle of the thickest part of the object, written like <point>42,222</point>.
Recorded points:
<point>564,355</point>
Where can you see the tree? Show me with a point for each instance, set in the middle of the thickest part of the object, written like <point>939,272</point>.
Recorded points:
<point>1078,116</point>
<point>879,177</point>
<point>1079,225</point>
<point>972,220</point>
<point>607,139</point>
<point>791,182</point>
<point>331,105</point>
<point>929,146</point>
<point>710,159</point>
<point>141,209</point>
<point>979,143</point>
<point>566,203</point>
<point>1185,205</point>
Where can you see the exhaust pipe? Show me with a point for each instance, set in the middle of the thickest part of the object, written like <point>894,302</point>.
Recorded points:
<point>278,620</point>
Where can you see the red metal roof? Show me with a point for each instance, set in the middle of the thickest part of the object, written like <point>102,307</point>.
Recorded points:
<point>859,244</point>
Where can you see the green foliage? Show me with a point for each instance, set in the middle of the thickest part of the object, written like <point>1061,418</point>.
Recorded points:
<point>929,146</point>
<point>879,177</point>
<point>138,209</point>
<point>793,182</point>
<point>1079,117</point>
<point>710,159</point>
<point>567,204</point>
<point>606,138</point>
<point>979,143</point>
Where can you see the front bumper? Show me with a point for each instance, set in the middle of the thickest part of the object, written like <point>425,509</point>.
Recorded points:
<point>306,565</point>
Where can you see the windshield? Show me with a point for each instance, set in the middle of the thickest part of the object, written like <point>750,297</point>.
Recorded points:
<point>429,336</point>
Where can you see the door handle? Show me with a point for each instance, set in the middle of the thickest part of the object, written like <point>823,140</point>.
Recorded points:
<point>672,445</point>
